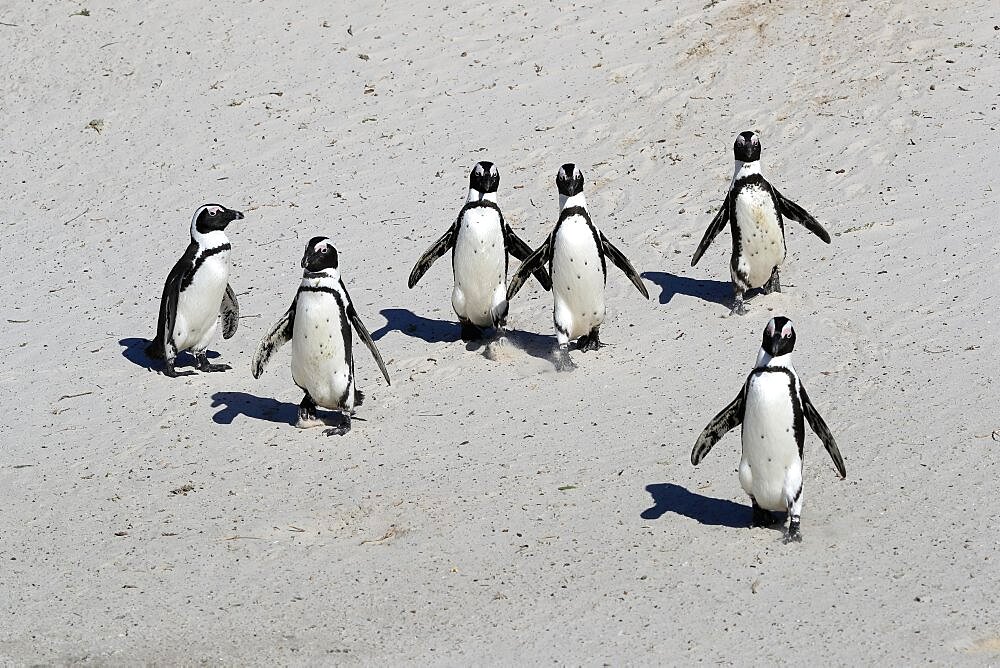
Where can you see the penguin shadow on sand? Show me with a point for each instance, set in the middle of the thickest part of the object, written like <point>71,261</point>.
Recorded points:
<point>715,292</point>
<point>670,498</point>
<point>134,350</point>
<point>267,409</point>
<point>430,330</point>
<point>409,323</point>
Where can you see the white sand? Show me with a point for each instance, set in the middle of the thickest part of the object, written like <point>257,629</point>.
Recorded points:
<point>436,532</point>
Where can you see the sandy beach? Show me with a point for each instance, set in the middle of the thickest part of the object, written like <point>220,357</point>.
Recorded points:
<point>486,509</point>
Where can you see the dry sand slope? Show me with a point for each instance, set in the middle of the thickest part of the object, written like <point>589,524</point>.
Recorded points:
<point>496,511</point>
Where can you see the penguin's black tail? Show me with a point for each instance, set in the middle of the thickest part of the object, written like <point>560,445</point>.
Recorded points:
<point>155,349</point>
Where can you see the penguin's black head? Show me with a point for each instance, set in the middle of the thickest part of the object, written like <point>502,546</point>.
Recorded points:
<point>214,217</point>
<point>320,254</point>
<point>484,177</point>
<point>747,147</point>
<point>779,337</point>
<point>569,180</point>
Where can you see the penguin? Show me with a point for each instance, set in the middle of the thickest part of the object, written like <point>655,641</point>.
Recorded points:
<point>755,211</point>
<point>481,243</point>
<point>771,407</point>
<point>318,323</point>
<point>196,293</point>
<point>576,253</point>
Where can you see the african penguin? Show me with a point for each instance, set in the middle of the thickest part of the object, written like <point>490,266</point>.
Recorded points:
<point>480,242</point>
<point>755,211</point>
<point>576,253</point>
<point>318,323</point>
<point>197,292</point>
<point>771,407</point>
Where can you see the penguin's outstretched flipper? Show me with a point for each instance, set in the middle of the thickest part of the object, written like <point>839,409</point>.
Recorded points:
<point>439,248</point>
<point>717,225</point>
<point>521,250</point>
<point>622,263</point>
<point>362,331</point>
<point>819,426</point>
<point>535,261</point>
<point>793,211</point>
<point>727,419</point>
<point>280,334</point>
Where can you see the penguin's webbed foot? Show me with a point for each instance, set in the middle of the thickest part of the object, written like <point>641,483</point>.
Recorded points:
<point>739,307</point>
<point>204,365</point>
<point>773,284</point>
<point>211,368</point>
<point>499,314</point>
<point>470,332</point>
<point>761,517</point>
<point>794,534</point>
<point>169,370</point>
<point>307,414</point>
<point>589,342</point>
<point>341,429</point>
<point>562,359</point>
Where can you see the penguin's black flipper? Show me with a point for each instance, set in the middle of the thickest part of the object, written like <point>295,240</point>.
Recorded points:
<point>439,248</point>
<point>535,261</point>
<point>359,327</point>
<point>520,250</point>
<point>230,313</point>
<point>728,418</point>
<point>622,263</point>
<point>819,426</point>
<point>157,349</point>
<point>280,334</point>
<point>717,225</point>
<point>790,209</point>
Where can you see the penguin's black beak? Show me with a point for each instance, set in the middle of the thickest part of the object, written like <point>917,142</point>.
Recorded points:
<point>237,215</point>
<point>310,259</point>
<point>313,261</point>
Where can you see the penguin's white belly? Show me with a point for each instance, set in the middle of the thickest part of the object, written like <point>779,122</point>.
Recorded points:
<point>577,279</point>
<point>198,305</point>
<point>480,267</point>
<point>319,357</point>
<point>771,469</point>
<point>762,245</point>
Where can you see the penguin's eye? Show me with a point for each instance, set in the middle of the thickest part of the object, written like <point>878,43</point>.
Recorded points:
<point>213,213</point>
<point>324,249</point>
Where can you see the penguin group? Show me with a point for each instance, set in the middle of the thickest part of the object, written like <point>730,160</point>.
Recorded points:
<point>572,262</point>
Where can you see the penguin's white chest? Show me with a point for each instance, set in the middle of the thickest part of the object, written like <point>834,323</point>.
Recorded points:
<point>480,266</point>
<point>577,278</point>
<point>321,344</point>
<point>762,245</point>
<point>198,305</point>
<point>771,469</point>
